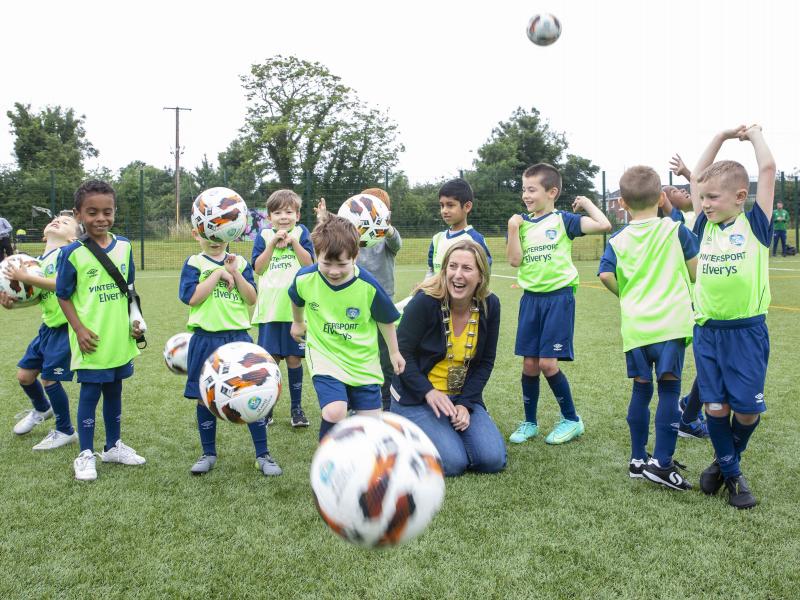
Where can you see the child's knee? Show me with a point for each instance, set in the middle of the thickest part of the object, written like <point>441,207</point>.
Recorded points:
<point>293,362</point>
<point>746,419</point>
<point>335,411</point>
<point>26,376</point>
<point>716,409</point>
<point>548,366</point>
<point>530,366</point>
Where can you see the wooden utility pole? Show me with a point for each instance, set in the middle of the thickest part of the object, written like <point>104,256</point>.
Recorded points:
<point>177,110</point>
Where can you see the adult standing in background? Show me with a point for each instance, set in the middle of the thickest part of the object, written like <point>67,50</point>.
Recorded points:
<point>5,239</point>
<point>780,219</point>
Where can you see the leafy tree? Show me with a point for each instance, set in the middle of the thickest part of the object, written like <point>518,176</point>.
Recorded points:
<point>53,138</point>
<point>303,122</point>
<point>523,140</point>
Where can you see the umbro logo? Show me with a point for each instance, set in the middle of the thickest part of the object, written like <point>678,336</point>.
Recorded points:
<point>313,306</point>
<point>558,347</point>
<point>759,398</point>
<point>91,272</point>
<point>58,371</point>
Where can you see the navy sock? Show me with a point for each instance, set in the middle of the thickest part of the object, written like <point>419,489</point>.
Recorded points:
<point>87,403</point>
<point>639,418</point>
<point>560,386</point>
<point>112,411</point>
<point>741,434</point>
<point>35,392</point>
<point>258,431</point>
<point>667,416</point>
<point>207,427</point>
<point>721,434</point>
<point>295,386</point>
<point>530,396</point>
<point>60,403</point>
<point>324,427</point>
<point>691,412</point>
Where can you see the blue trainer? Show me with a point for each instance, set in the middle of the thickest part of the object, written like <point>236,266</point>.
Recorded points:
<point>696,429</point>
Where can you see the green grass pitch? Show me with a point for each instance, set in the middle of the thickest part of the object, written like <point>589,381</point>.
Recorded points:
<point>560,522</point>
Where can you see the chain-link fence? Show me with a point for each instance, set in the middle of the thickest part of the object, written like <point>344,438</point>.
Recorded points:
<point>147,209</point>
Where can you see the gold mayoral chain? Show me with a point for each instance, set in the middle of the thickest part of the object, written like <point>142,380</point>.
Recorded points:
<point>457,374</point>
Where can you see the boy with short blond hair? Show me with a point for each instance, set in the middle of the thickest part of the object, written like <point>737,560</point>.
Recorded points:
<point>346,309</point>
<point>540,245</point>
<point>279,252</point>
<point>49,353</point>
<point>649,264</point>
<point>731,299</point>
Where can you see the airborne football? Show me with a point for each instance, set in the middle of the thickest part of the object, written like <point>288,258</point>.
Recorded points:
<point>544,29</point>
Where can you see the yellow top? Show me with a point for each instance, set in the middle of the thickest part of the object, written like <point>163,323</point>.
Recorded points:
<point>438,374</point>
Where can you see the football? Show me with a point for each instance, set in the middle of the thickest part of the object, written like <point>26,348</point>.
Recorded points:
<point>22,293</point>
<point>219,215</point>
<point>240,382</point>
<point>370,216</point>
<point>544,29</point>
<point>377,481</point>
<point>176,353</point>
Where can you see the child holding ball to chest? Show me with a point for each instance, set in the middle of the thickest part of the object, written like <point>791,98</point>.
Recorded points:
<point>218,287</point>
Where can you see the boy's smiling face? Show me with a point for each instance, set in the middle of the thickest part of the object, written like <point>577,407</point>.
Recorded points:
<point>537,200</point>
<point>209,248</point>
<point>284,218</point>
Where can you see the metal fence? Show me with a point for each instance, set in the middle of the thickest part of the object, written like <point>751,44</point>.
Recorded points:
<point>146,212</point>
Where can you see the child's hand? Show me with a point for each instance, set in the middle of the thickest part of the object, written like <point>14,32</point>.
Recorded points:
<point>136,333</point>
<point>281,239</point>
<point>298,332</point>
<point>321,210</point>
<point>677,166</point>
<point>746,134</point>
<point>225,276</point>
<point>230,264</point>
<point>737,132</point>
<point>514,222</point>
<point>6,301</point>
<point>398,362</point>
<point>87,340</point>
<point>17,273</point>
<point>580,203</point>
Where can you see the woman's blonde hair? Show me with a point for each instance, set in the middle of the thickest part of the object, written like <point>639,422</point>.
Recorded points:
<point>436,285</point>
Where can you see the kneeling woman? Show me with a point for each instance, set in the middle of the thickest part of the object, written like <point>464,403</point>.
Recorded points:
<point>448,337</point>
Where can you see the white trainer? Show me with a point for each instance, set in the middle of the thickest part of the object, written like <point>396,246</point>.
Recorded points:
<point>30,419</point>
<point>120,453</point>
<point>56,439</point>
<point>85,466</point>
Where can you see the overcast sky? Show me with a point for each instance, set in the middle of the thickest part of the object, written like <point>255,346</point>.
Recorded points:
<point>629,82</point>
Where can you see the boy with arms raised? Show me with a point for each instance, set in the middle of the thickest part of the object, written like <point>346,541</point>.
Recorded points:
<point>49,352</point>
<point>278,253</point>
<point>455,203</point>
<point>218,287</point>
<point>649,264</point>
<point>540,244</point>
<point>731,298</point>
<point>346,308</point>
